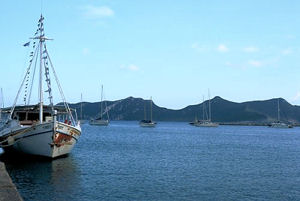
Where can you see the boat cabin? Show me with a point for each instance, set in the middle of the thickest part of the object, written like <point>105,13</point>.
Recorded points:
<point>29,115</point>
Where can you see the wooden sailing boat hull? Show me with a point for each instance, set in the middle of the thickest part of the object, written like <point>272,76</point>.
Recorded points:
<point>42,139</point>
<point>99,122</point>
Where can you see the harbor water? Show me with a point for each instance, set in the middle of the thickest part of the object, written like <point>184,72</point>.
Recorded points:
<point>173,161</point>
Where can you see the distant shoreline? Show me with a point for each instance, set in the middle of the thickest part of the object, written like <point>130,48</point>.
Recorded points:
<point>220,123</point>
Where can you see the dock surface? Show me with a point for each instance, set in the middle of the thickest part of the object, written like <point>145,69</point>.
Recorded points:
<point>8,190</point>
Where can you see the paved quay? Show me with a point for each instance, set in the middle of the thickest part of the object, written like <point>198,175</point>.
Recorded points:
<point>8,190</point>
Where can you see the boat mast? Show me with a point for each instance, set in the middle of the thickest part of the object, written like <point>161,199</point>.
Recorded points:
<point>41,69</point>
<point>151,108</point>
<point>203,109</point>
<point>81,106</point>
<point>145,110</point>
<point>278,111</point>
<point>101,110</point>
<point>209,107</point>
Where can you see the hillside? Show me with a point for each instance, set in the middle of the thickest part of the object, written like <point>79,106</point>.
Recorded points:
<point>222,111</point>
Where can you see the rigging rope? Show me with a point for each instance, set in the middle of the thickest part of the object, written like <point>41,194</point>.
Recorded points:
<point>46,60</point>
<point>60,89</point>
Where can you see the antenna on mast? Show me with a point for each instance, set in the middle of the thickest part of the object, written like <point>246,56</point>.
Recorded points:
<point>41,7</point>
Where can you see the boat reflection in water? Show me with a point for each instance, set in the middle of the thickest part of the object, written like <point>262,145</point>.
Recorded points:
<point>33,171</point>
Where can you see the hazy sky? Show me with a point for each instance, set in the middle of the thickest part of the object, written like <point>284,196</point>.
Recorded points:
<point>171,50</point>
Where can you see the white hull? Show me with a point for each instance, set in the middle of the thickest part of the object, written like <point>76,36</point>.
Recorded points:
<point>152,124</point>
<point>206,124</point>
<point>280,125</point>
<point>41,139</point>
<point>99,122</point>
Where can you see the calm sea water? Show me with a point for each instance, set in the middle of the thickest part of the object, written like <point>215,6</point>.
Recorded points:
<point>173,161</point>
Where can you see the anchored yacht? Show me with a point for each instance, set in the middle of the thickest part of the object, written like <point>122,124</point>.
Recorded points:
<point>147,122</point>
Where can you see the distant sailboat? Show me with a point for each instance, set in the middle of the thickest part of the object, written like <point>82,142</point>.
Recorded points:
<point>101,121</point>
<point>206,122</point>
<point>147,122</point>
<point>204,113</point>
<point>279,124</point>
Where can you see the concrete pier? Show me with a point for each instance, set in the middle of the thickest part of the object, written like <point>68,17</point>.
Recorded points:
<point>8,190</point>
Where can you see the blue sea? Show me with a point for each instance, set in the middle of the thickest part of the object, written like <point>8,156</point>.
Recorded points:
<point>173,161</point>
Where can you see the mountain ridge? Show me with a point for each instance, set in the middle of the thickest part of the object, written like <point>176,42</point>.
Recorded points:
<point>259,111</point>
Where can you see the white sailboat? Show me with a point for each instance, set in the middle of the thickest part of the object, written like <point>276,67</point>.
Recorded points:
<point>39,129</point>
<point>101,121</point>
<point>279,124</point>
<point>204,113</point>
<point>206,122</point>
<point>147,122</point>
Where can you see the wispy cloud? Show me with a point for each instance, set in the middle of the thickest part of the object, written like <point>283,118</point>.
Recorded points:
<point>130,67</point>
<point>287,51</point>
<point>222,48</point>
<point>255,63</point>
<point>97,12</point>
<point>200,48</point>
<point>230,64</point>
<point>251,49</point>
<point>290,36</point>
<point>245,65</point>
<point>86,51</point>
<point>234,65</point>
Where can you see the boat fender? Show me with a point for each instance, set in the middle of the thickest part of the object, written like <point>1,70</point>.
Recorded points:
<point>10,140</point>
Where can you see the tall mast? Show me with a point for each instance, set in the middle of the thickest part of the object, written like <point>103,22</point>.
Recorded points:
<point>145,110</point>
<point>41,69</point>
<point>278,111</point>
<point>203,109</point>
<point>209,107</point>
<point>81,106</point>
<point>101,101</point>
<point>151,108</point>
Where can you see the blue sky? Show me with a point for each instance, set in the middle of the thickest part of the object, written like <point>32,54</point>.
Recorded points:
<point>170,50</point>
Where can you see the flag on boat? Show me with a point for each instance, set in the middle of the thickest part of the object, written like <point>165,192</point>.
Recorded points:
<point>26,44</point>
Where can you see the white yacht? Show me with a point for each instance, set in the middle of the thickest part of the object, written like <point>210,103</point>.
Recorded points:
<point>279,124</point>
<point>147,122</point>
<point>205,122</point>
